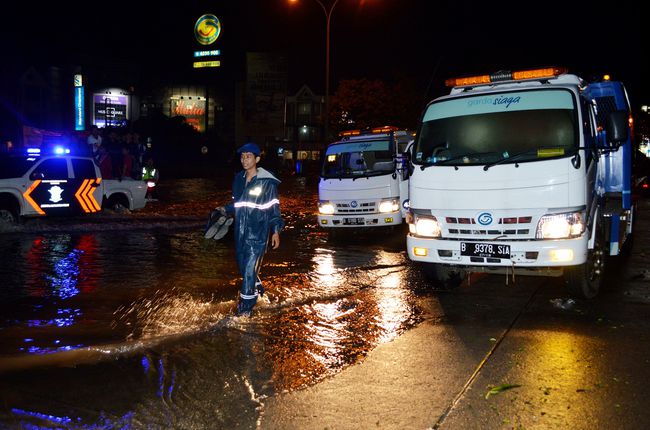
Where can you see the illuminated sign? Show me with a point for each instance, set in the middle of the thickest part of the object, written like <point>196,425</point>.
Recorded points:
<point>201,64</point>
<point>207,29</point>
<point>192,109</point>
<point>79,116</point>
<point>207,53</point>
<point>78,82</point>
<point>110,109</point>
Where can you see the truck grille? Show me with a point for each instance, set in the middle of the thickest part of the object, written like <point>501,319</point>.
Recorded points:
<point>511,226</point>
<point>362,208</point>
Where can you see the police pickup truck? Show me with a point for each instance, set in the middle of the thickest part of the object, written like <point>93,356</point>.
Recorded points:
<point>58,183</point>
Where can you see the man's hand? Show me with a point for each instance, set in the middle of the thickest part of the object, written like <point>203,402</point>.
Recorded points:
<point>275,240</point>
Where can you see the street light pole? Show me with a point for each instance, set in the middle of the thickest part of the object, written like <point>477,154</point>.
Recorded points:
<point>328,16</point>
<point>328,19</point>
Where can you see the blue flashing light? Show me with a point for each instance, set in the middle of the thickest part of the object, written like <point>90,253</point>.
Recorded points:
<point>33,150</point>
<point>59,150</point>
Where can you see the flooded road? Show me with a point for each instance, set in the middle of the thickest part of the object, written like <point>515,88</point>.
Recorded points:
<point>125,321</point>
<point>140,305</point>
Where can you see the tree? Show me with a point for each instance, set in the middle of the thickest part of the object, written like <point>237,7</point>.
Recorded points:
<point>361,103</point>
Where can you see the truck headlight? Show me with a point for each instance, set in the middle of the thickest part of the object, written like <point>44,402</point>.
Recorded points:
<point>561,226</point>
<point>325,207</point>
<point>427,226</point>
<point>387,206</point>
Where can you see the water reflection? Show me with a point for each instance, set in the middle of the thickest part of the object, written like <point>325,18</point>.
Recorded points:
<point>48,273</point>
<point>161,301</point>
<point>363,299</point>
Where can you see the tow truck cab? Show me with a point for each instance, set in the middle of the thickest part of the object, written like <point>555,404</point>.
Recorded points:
<point>60,184</point>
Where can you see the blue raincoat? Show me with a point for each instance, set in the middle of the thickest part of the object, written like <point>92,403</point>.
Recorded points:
<point>256,208</point>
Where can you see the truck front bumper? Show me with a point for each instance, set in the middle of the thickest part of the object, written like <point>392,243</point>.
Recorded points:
<point>524,254</point>
<point>359,220</point>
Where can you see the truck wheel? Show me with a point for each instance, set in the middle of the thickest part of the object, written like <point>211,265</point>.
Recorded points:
<point>584,281</point>
<point>8,216</point>
<point>444,277</point>
<point>117,203</point>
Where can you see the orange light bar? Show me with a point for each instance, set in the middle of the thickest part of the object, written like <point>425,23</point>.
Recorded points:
<point>384,129</point>
<point>31,201</point>
<point>548,72</point>
<point>472,80</point>
<point>350,133</point>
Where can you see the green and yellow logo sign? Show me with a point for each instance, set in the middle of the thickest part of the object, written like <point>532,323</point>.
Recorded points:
<point>207,29</point>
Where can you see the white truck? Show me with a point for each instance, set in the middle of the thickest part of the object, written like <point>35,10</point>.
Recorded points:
<point>37,184</point>
<point>522,173</point>
<point>364,180</point>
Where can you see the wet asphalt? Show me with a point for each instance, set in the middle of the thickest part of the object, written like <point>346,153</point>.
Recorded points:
<point>496,353</point>
<point>489,355</point>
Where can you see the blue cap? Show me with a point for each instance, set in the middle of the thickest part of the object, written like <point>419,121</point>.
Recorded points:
<point>250,147</point>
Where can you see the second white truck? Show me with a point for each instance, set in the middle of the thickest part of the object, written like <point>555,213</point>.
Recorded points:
<point>364,180</point>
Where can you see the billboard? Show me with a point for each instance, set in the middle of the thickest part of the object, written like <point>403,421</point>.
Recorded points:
<point>192,109</point>
<point>110,110</point>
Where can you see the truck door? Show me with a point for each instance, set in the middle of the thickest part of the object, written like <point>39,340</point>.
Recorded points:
<point>88,196</point>
<point>50,192</point>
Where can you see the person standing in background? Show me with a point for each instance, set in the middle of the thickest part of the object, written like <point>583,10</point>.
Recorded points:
<point>105,163</point>
<point>126,169</point>
<point>94,140</point>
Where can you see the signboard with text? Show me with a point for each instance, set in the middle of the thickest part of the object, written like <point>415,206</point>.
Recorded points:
<point>110,110</point>
<point>192,109</point>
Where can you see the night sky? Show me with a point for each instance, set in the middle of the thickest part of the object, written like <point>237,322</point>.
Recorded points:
<point>427,41</point>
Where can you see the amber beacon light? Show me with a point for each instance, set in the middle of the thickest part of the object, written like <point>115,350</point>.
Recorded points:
<point>520,75</point>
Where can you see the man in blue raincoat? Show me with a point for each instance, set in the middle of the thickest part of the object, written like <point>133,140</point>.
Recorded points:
<point>256,209</point>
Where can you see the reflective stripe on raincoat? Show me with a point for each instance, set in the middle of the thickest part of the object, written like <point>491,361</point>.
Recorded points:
<point>256,207</point>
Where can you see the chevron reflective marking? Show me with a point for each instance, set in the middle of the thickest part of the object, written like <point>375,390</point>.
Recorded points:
<point>84,195</point>
<point>78,196</point>
<point>31,201</point>
<point>90,196</point>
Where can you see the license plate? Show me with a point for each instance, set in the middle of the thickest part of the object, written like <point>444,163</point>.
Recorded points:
<point>353,221</point>
<point>491,250</point>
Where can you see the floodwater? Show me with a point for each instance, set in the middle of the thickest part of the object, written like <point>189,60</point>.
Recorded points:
<point>125,320</point>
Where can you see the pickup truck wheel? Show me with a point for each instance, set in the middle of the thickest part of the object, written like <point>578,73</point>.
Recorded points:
<point>444,277</point>
<point>117,203</point>
<point>584,281</point>
<point>8,216</point>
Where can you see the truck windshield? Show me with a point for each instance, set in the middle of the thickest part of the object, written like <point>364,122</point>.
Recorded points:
<point>15,166</point>
<point>358,159</point>
<point>490,128</point>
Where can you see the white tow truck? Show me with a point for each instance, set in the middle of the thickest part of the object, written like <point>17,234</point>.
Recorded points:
<point>364,179</point>
<point>58,183</point>
<point>522,173</point>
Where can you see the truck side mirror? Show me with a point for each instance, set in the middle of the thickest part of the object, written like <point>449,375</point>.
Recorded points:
<point>617,128</point>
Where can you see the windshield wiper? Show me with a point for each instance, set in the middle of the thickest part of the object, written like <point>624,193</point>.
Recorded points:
<point>560,151</point>
<point>458,157</point>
